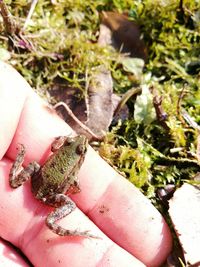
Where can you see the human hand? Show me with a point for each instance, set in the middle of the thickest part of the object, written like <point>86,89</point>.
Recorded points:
<point>129,226</point>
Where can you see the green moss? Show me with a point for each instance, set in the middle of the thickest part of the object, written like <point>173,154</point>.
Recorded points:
<point>63,40</point>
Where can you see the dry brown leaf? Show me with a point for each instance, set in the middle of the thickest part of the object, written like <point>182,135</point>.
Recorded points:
<point>73,97</point>
<point>100,108</point>
<point>95,111</point>
<point>126,35</point>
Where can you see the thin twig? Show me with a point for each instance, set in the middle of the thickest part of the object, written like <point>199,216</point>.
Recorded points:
<point>10,24</point>
<point>180,98</point>
<point>198,147</point>
<point>192,123</point>
<point>30,13</point>
<point>126,97</point>
<point>160,113</point>
<point>73,116</point>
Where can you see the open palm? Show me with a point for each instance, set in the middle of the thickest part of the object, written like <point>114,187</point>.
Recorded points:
<point>108,205</point>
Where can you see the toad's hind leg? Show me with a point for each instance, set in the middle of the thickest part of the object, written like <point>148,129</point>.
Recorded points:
<point>64,207</point>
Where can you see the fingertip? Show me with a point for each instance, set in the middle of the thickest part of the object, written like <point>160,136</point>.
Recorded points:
<point>116,256</point>
<point>9,256</point>
<point>13,92</point>
<point>37,127</point>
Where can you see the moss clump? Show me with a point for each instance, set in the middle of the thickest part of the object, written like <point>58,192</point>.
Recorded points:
<point>62,43</point>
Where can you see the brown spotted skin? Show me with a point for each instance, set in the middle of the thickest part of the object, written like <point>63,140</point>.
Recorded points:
<point>57,177</point>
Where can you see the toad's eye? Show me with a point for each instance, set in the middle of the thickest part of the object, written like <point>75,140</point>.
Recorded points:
<point>81,149</point>
<point>69,141</point>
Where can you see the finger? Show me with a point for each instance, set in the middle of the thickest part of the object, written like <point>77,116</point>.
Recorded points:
<point>130,217</point>
<point>122,212</point>
<point>37,128</point>
<point>13,92</point>
<point>9,257</point>
<point>22,223</point>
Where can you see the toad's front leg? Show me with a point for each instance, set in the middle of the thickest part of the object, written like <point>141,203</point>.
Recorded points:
<point>64,206</point>
<point>17,176</point>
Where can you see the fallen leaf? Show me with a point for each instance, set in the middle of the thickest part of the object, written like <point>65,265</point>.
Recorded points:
<point>100,108</point>
<point>126,35</point>
<point>73,97</point>
<point>95,111</point>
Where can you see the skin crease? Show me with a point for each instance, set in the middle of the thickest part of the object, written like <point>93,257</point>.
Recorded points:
<point>9,257</point>
<point>130,226</point>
